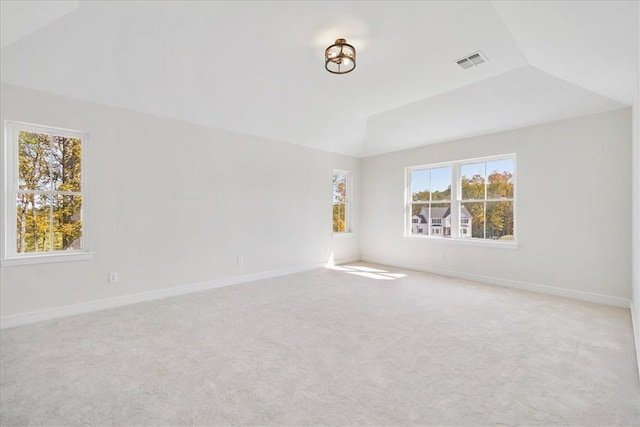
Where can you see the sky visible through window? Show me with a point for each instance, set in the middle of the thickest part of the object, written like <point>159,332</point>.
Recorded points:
<point>441,177</point>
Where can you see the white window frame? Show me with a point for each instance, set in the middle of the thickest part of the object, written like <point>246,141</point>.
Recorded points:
<point>8,254</point>
<point>456,203</point>
<point>348,198</point>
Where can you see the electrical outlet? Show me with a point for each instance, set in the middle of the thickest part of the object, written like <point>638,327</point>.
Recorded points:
<point>113,277</point>
<point>240,260</point>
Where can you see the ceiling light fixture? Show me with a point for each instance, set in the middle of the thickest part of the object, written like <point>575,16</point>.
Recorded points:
<point>340,58</point>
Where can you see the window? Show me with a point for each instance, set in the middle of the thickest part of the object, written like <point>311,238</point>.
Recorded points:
<point>480,205</point>
<point>45,192</point>
<point>341,201</point>
<point>430,190</point>
<point>487,197</point>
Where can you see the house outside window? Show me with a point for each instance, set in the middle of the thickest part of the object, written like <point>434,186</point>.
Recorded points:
<point>45,194</point>
<point>430,193</point>
<point>480,204</point>
<point>341,201</point>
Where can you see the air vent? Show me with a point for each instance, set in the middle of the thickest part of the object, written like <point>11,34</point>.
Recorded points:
<point>471,60</point>
<point>465,63</point>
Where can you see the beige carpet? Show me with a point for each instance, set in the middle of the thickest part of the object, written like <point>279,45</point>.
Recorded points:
<point>328,347</point>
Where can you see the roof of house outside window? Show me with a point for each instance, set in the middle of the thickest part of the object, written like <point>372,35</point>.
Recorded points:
<point>438,212</point>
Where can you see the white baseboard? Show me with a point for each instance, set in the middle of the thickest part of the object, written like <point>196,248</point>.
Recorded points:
<point>526,286</point>
<point>86,307</point>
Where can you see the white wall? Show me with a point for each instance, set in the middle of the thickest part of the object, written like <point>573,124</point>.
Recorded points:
<point>573,209</point>
<point>635,197</point>
<point>635,252</point>
<point>172,204</point>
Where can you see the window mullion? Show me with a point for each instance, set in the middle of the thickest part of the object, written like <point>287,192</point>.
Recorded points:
<point>455,201</point>
<point>349,194</point>
<point>50,193</point>
<point>9,219</point>
<point>430,205</point>
<point>50,221</point>
<point>486,185</point>
<point>486,181</point>
<point>408,203</point>
<point>484,225</point>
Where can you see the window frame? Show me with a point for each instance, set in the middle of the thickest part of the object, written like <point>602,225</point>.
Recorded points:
<point>10,165</point>
<point>456,203</point>
<point>348,198</point>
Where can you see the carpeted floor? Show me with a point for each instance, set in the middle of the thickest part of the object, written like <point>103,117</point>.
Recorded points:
<point>351,346</point>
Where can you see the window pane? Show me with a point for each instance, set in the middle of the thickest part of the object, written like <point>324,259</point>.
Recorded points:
<point>472,179</point>
<point>67,223</point>
<point>500,220</point>
<point>339,217</point>
<point>441,183</point>
<point>440,220</point>
<point>419,218</point>
<point>500,179</point>
<point>65,163</point>
<point>420,185</point>
<point>34,154</point>
<point>33,230</point>
<point>339,188</point>
<point>476,211</point>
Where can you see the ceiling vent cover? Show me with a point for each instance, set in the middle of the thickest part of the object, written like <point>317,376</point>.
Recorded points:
<point>471,60</point>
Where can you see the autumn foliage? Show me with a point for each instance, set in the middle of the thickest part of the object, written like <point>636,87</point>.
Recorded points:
<point>48,200</point>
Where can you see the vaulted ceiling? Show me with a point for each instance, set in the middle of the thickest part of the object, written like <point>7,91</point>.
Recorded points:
<point>258,68</point>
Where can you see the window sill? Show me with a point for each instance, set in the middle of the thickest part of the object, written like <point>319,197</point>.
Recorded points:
<point>345,234</point>
<point>45,259</point>
<point>469,242</point>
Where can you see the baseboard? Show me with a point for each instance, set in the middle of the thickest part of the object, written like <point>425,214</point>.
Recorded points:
<point>526,286</point>
<point>86,307</point>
